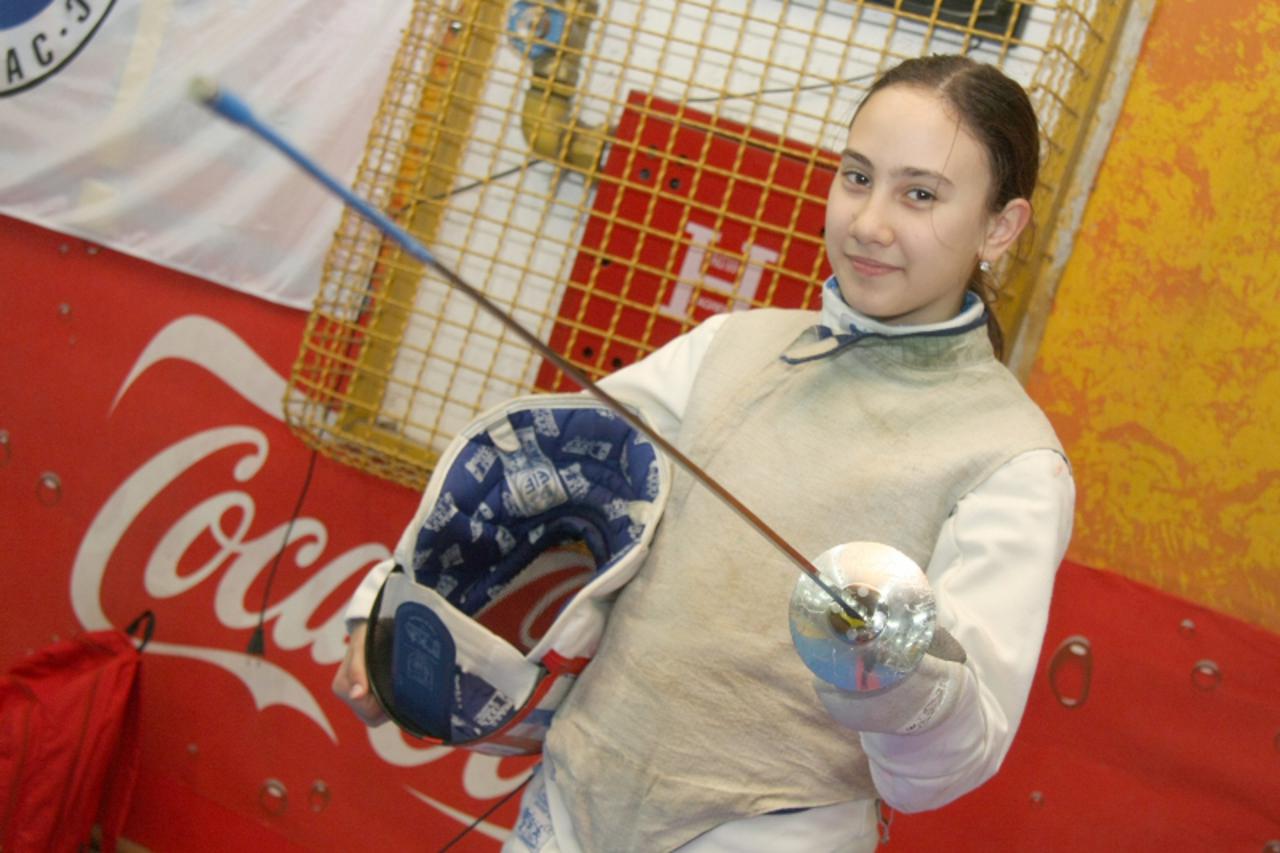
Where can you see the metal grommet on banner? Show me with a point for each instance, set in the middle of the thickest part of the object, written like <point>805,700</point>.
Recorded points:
<point>1206,675</point>
<point>1187,627</point>
<point>4,447</point>
<point>1037,798</point>
<point>49,488</point>
<point>1073,652</point>
<point>273,796</point>
<point>318,798</point>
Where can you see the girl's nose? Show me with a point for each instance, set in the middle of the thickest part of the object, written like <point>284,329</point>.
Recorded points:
<point>869,224</point>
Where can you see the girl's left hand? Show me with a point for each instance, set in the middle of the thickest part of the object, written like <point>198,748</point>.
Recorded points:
<point>351,682</point>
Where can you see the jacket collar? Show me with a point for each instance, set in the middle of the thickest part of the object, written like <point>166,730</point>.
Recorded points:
<point>841,327</point>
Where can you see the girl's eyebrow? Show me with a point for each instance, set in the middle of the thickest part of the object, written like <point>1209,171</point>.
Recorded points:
<point>902,171</point>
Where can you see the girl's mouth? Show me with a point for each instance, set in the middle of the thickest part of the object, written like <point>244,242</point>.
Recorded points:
<point>868,267</point>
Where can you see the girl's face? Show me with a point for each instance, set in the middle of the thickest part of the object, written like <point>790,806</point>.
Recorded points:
<point>908,216</point>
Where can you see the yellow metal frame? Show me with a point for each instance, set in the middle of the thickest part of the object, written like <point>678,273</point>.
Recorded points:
<point>463,47</point>
<point>386,361</point>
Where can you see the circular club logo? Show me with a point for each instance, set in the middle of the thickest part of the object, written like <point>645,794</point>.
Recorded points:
<point>38,37</point>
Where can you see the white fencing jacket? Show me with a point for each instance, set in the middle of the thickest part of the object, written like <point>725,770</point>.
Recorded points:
<point>1021,516</point>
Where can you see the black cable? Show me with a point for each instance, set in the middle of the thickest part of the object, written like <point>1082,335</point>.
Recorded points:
<point>497,176</point>
<point>491,810</point>
<point>488,179</point>
<point>476,184</point>
<point>257,642</point>
<point>857,78</point>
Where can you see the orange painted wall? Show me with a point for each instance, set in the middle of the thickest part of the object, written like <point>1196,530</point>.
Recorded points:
<point>1161,362</point>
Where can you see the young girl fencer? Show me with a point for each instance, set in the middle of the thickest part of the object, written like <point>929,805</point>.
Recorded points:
<point>884,417</point>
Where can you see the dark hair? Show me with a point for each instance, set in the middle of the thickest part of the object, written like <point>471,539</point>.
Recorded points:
<point>998,113</point>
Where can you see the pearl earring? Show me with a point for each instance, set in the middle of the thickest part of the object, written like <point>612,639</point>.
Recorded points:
<point>984,266</point>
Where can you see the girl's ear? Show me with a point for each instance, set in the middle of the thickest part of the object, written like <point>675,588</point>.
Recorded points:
<point>1004,228</point>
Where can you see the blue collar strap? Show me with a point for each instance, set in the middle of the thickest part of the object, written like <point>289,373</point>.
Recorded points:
<point>820,342</point>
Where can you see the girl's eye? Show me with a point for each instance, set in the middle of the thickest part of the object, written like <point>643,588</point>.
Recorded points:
<point>857,178</point>
<point>920,195</point>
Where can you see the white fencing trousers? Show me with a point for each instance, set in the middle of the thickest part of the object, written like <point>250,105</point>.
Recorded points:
<point>841,828</point>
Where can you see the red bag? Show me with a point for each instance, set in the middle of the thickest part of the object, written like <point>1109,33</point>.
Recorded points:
<point>69,745</point>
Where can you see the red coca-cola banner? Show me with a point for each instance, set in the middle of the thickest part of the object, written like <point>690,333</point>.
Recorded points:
<point>144,465</point>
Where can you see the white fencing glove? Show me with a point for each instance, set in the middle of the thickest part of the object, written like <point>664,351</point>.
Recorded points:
<point>914,705</point>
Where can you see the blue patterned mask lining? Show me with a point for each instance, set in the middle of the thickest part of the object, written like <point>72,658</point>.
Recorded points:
<point>510,487</point>
<point>542,478</point>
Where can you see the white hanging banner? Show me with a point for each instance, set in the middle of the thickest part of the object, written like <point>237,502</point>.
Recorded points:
<point>99,138</point>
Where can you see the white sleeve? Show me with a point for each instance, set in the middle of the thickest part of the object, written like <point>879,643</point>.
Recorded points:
<point>361,604</point>
<point>992,574</point>
<point>657,385</point>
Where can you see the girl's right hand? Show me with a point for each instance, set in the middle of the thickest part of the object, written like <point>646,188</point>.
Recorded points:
<point>351,682</point>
